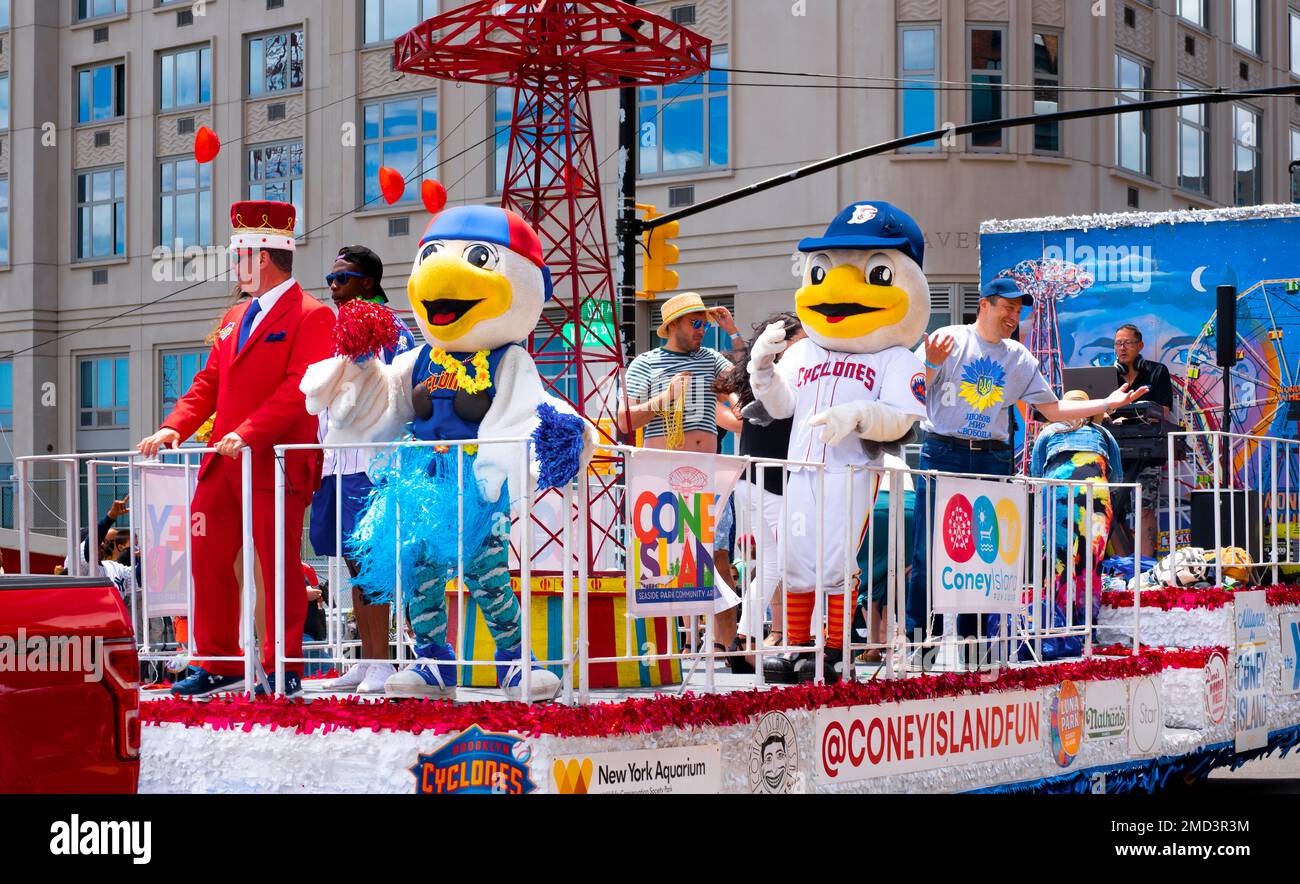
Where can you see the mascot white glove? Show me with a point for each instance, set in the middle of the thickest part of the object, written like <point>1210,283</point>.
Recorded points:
<point>769,388</point>
<point>360,398</point>
<point>867,420</point>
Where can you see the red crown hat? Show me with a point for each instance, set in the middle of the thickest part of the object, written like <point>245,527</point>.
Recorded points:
<point>261,224</point>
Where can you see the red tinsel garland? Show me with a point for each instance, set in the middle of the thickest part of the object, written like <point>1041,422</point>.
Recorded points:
<point>628,716</point>
<point>363,329</point>
<point>1210,599</point>
<point>1171,658</point>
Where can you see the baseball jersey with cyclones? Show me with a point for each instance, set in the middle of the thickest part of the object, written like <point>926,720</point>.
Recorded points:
<point>822,378</point>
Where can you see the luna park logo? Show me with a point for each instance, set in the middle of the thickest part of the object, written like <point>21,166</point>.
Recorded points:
<point>984,528</point>
<point>773,756</point>
<point>476,762</point>
<point>1067,723</point>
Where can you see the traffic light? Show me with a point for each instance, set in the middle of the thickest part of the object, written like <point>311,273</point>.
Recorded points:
<point>661,254</point>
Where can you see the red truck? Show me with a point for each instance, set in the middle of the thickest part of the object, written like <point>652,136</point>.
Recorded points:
<point>69,687</point>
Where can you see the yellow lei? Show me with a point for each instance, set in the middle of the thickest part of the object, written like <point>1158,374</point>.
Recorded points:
<point>482,374</point>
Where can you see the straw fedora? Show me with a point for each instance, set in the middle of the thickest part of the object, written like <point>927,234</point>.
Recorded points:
<point>681,305</point>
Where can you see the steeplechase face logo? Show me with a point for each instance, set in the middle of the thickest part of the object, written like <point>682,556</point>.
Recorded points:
<point>981,384</point>
<point>572,777</point>
<point>1067,723</point>
<point>476,762</point>
<point>983,528</point>
<point>918,387</point>
<point>773,756</point>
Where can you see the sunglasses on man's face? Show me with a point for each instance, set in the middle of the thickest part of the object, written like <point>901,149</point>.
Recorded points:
<point>341,277</point>
<point>698,324</point>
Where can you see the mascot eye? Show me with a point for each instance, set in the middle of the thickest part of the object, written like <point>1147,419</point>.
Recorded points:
<point>818,266</point>
<point>481,256</point>
<point>881,276</point>
<point>818,275</point>
<point>430,249</point>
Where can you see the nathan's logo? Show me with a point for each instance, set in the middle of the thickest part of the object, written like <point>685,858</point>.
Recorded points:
<point>572,777</point>
<point>475,763</point>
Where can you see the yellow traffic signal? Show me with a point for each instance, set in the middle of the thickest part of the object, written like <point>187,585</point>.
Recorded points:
<point>661,254</point>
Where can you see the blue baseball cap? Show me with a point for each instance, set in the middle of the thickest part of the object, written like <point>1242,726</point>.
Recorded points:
<point>871,225</point>
<point>1003,287</point>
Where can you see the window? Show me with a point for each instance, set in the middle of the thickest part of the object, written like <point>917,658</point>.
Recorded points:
<point>685,126</point>
<point>101,92</point>
<point>1047,95</point>
<point>1295,42</point>
<point>401,133</point>
<point>4,102</point>
<point>1295,157</point>
<point>504,104</point>
<point>1247,189</point>
<point>386,20</point>
<point>4,15</point>
<point>7,495</point>
<point>101,213</point>
<point>1193,11</point>
<point>178,371</point>
<point>97,8</point>
<point>918,69</point>
<point>275,62</point>
<point>1133,130</point>
<point>185,78</point>
<point>275,173</point>
<point>105,391</point>
<point>986,72</point>
<point>1193,145</point>
<point>6,395</point>
<point>4,222</point>
<point>184,203</point>
<point>1245,24</point>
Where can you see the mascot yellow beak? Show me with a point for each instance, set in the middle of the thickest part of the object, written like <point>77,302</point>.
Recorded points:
<point>845,305</point>
<point>450,296</point>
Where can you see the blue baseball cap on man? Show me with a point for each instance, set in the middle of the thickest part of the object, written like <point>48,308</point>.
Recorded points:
<point>871,225</point>
<point>1002,287</point>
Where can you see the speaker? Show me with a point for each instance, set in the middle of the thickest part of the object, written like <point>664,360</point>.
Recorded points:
<point>1239,520</point>
<point>1225,325</point>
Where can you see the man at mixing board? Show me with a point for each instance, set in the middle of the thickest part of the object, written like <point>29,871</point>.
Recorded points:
<point>1132,369</point>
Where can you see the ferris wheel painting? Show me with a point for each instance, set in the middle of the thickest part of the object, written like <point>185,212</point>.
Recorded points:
<point>1159,272</point>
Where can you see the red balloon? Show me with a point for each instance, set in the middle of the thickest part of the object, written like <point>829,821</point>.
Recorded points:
<point>391,184</point>
<point>434,195</point>
<point>206,145</point>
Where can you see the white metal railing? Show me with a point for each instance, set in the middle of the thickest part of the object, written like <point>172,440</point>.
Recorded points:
<point>900,654</point>
<point>1265,521</point>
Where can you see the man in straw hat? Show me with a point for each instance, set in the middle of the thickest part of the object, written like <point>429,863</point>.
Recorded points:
<point>263,347</point>
<point>671,394</point>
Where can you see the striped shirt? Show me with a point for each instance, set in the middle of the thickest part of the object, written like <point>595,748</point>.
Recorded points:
<point>357,460</point>
<point>649,374</point>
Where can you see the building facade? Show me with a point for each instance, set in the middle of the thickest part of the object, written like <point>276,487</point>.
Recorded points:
<point>105,215</point>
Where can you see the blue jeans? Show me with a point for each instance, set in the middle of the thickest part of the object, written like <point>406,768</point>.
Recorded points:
<point>938,454</point>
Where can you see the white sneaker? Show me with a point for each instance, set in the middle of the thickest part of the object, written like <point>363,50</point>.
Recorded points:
<point>376,675</point>
<point>348,682</point>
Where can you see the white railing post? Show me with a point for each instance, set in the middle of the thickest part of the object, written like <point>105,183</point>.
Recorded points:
<point>584,647</point>
<point>71,514</point>
<point>525,577</point>
<point>280,588</point>
<point>24,530</point>
<point>567,584</point>
<point>250,580</point>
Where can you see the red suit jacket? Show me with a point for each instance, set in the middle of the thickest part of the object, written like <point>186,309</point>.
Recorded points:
<point>255,392</point>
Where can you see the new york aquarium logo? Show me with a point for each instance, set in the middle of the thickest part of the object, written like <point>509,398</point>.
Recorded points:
<point>476,762</point>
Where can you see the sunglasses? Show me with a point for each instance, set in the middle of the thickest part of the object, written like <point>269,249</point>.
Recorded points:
<point>342,276</point>
<point>698,324</point>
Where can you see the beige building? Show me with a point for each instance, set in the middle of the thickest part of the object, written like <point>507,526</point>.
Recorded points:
<point>102,97</point>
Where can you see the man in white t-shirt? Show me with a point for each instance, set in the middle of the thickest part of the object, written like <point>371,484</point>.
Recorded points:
<point>975,374</point>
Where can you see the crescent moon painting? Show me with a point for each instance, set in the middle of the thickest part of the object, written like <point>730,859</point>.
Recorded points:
<point>1196,278</point>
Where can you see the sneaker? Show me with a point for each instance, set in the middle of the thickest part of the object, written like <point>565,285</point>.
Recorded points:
<point>348,681</point>
<point>423,680</point>
<point>832,666</point>
<point>376,676</point>
<point>543,684</point>
<point>200,684</point>
<point>292,685</point>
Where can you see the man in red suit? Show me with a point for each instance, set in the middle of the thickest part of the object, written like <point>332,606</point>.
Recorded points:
<point>251,382</point>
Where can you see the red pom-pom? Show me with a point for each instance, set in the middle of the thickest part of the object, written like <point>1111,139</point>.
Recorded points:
<point>434,196</point>
<point>363,330</point>
<point>391,184</point>
<point>206,145</point>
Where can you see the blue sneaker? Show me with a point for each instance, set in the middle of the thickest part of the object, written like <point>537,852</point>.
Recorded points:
<point>200,684</point>
<point>543,684</point>
<point>292,685</point>
<point>423,680</point>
